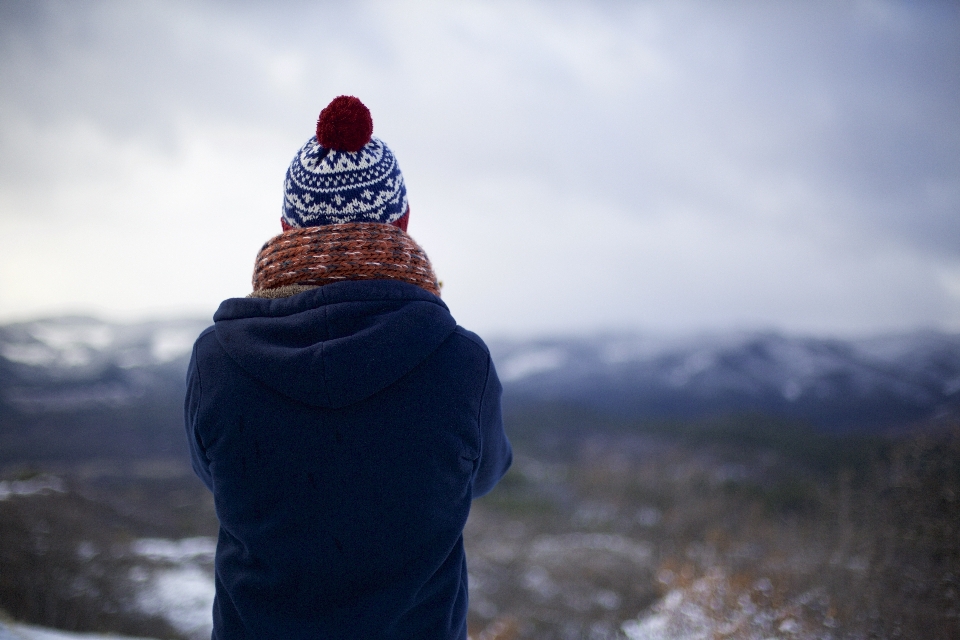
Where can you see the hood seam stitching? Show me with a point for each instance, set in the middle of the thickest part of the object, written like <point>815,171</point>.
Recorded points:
<point>323,347</point>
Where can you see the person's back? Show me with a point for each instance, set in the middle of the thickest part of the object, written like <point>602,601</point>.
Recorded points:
<point>343,420</point>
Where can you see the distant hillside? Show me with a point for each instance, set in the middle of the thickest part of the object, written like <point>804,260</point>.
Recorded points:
<point>871,383</point>
<point>76,388</point>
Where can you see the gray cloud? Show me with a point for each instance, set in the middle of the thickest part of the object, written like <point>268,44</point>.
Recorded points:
<point>818,143</point>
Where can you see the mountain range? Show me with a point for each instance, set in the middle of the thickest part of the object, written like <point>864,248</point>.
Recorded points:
<point>869,383</point>
<point>75,388</point>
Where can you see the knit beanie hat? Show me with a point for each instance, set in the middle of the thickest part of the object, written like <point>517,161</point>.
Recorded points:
<point>343,174</point>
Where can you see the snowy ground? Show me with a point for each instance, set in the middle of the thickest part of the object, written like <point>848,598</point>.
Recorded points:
<point>624,538</point>
<point>706,609</point>
<point>590,575</point>
<point>10,631</point>
<point>177,582</point>
<point>714,607</point>
<point>174,581</point>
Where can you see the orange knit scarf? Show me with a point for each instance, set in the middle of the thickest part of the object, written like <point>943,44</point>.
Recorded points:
<point>315,256</point>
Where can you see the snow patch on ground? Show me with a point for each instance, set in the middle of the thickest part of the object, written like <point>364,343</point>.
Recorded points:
<point>177,584</point>
<point>178,551</point>
<point>183,597</point>
<point>713,607</point>
<point>30,632</point>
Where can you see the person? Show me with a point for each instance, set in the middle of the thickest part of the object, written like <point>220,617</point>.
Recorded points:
<point>341,417</point>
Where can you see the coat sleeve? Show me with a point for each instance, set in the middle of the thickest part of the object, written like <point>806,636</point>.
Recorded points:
<point>191,409</point>
<point>495,451</point>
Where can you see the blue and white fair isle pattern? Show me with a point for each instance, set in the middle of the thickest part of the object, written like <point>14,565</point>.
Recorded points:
<point>325,186</point>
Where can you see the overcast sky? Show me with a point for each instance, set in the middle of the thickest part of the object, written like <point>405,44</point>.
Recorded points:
<point>571,166</point>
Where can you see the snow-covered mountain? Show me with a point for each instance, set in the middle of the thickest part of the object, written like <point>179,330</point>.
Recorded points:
<point>77,362</point>
<point>74,387</point>
<point>876,382</point>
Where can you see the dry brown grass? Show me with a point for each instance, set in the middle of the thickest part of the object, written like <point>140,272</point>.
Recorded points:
<point>846,552</point>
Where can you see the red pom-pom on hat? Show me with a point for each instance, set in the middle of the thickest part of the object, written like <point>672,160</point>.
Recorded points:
<point>345,125</point>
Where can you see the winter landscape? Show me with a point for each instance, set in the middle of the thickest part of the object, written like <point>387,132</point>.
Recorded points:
<point>731,509</point>
<point>714,248</point>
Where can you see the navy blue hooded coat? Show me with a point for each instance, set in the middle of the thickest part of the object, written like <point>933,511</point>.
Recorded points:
<point>343,431</point>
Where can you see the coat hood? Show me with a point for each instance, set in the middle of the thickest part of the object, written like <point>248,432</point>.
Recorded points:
<point>337,344</point>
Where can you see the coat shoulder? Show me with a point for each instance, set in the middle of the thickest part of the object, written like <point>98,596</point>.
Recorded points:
<point>473,338</point>
<point>206,341</point>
